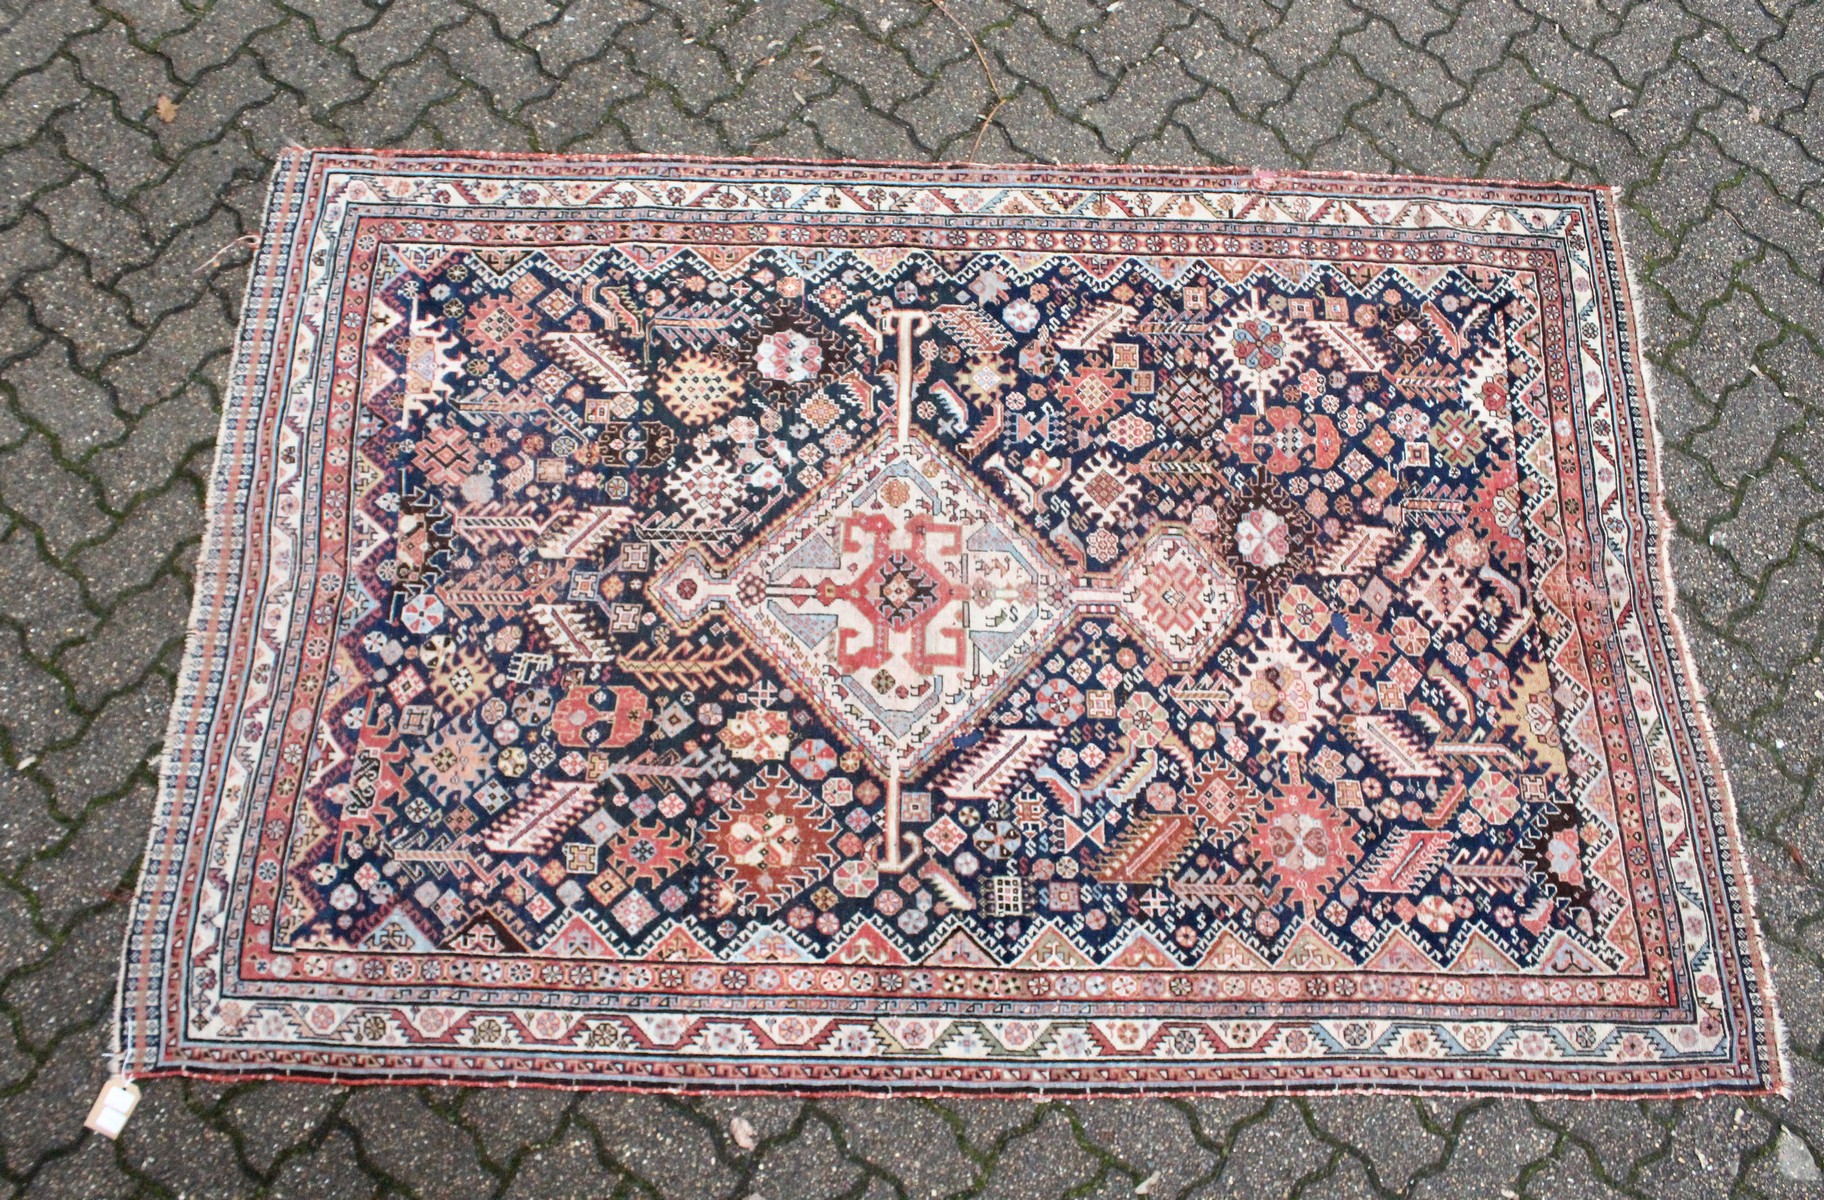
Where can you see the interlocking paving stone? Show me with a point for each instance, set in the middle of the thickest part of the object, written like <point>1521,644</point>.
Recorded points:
<point>1708,114</point>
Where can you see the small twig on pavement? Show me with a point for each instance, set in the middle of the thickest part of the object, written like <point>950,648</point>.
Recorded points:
<point>993,84</point>
<point>249,240</point>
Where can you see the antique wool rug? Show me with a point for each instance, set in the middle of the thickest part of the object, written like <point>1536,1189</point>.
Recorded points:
<point>723,624</point>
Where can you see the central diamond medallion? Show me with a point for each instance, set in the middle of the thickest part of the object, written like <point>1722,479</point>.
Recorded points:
<point>903,596</point>
<point>900,598</point>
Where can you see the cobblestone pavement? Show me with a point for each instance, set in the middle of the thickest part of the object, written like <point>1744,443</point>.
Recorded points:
<point>136,136</point>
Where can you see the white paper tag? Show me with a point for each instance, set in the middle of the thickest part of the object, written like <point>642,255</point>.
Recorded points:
<point>119,1097</point>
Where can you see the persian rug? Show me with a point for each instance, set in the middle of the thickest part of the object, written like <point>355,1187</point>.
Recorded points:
<point>762,625</point>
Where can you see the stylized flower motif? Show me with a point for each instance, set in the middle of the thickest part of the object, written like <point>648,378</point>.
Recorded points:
<point>771,841</point>
<point>788,357</point>
<point>758,734</point>
<point>1259,346</point>
<point>452,760</point>
<point>1285,695</point>
<point>987,378</point>
<point>1457,438</point>
<point>1093,393</point>
<point>1263,539</point>
<point>1144,721</point>
<point>698,387</point>
<point>1268,536</point>
<point>708,488</point>
<point>422,613</point>
<point>1059,702</point>
<point>1022,316</point>
<point>1304,615</point>
<point>1488,677</point>
<point>648,852</point>
<point>500,324</point>
<point>1304,844</point>
<point>1436,914</point>
<point>1105,486</point>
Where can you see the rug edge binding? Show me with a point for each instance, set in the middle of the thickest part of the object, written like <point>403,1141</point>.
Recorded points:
<point>219,525</point>
<point>1781,1082</point>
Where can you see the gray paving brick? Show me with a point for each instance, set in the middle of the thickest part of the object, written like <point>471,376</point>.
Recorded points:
<point>1306,119</point>
<point>584,30</point>
<point>654,120</point>
<point>416,1145</point>
<point>580,104</point>
<point>468,119</point>
<point>116,742</point>
<point>1307,33</point>
<point>1648,35</point>
<point>1238,72</point>
<point>165,362</point>
<point>46,1115</point>
<point>68,302</point>
<point>1494,1143</point>
<point>135,77</point>
<point>330,1171</point>
<point>61,505</point>
<point>92,1171</point>
<point>1153,1139</point>
<point>27,826</point>
<point>660,1144</point>
<point>847,49</point>
<point>1415,20</point>
<point>1411,142</point>
<point>145,541</point>
<point>659,49</point>
<point>1669,102</point>
<point>1758,414</point>
<point>567,1168</point>
<point>21,941</point>
<point>75,410</point>
<point>1706,261</point>
<point>1765,528</point>
<point>388,112</point>
<point>911,1143</point>
<point>1799,53</point>
<point>1745,135</point>
<point>1141,103</point>
<point>271,1119</point>
<point>40,30</point>
<point>847,126</point>
<point>1394,1161</point>
<point>128,643</point>
<point>28,171</point>
<point>294,54</point>
<point>58,1005</point>
<point>1569,68</point>
<point>107,235</point>
<point>811,1165</point>
<point>197,186</point>
<point>1269,1157</point>
<point>1041,134</point>
<point>1415,75</point>
<point>507,1120</point>
<point>213,41</point>
<point>1131,31</point>
<point>1493,112</point>
<point>1042,1161</point>
<point>508,73</point>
